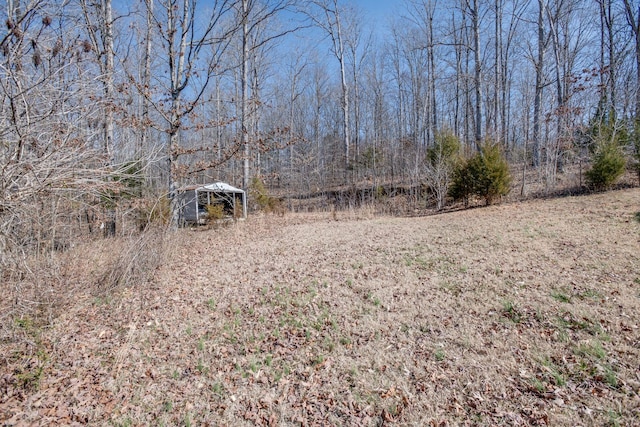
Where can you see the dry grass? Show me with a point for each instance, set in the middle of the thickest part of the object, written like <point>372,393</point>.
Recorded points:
<point>520,314</point>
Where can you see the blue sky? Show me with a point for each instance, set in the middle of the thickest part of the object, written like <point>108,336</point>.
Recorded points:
<point>379,11</point>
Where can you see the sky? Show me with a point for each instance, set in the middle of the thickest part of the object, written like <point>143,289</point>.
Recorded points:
<point>379,11</point>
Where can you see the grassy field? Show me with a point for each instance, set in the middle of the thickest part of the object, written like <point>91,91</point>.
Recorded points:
<point>520,314</point>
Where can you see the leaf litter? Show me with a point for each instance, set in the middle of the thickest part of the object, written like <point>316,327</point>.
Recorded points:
<point>520,314</point>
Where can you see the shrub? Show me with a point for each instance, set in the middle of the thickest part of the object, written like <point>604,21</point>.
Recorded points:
<point>462,183</point>
<point>491,172</point>
<point>486,174</point>
<point>635,139</point>
<point>607,167</point>
<point>128,183</point>
<point>131,177</point>
<point>265,202</point>
<point>441,161</point>
<point>370,157</point>
<point>215,211</point>
<point>153,211</point>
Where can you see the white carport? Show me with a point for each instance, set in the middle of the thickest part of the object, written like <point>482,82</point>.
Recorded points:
<point>196,198</point>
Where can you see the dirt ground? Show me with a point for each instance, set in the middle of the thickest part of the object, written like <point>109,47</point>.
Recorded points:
<point>520,314</point>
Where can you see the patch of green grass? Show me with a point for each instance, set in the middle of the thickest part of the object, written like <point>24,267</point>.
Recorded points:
<point>511,312</point>
<point>610,377</point>
<point>328,344</point>
<point>590,293</point>
<point>637,216</point>
<point>318,360</point>
<point>218,388</point>
<point>614,419</point>
<point>30,374</point>
<point>425,328</point>
<point>374,299</point>
<point>127,422</point>
<point>561,296</point>
<point>24,323</point>
<point>30,378</point>
<point>99,301</point>
<point>563,336</point>
<point>167,406</point>
<point>594,350</point>
<point>569,321</point>
<point>439,355</point>
<point>422,263</point>
<point>594,364</point>
<point>537,385</point>
<point>553,373</point>
<point>211,303</point>
<point>452,288</point>
<point>278,374</point>
<point>201,367</point>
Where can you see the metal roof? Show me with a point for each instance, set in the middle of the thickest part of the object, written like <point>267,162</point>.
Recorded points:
<point>220,187</point>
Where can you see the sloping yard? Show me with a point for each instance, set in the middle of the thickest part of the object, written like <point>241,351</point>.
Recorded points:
<point>520,314</point>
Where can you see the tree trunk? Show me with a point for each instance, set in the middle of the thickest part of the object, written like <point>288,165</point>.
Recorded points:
<point>176,67</point>
<point>146,82</point>
<point>345,90</point>
<point>633,19</point>
<point>475,22</point>
<point>108,77</point>
<point>498,71</point>
<point>244,88</point>
<point>537,102</point>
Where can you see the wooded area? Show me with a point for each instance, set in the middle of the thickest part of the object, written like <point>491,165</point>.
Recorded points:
<point>108,108</point>
<point>304,95</point>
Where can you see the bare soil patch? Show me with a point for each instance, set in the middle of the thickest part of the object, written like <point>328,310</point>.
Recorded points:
<point>520,314</point>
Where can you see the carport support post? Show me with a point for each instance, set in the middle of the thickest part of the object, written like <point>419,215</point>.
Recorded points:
<point>244,205</point>
<point>197,210</point>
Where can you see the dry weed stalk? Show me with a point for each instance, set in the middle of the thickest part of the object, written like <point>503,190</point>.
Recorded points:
<point>135,262</point>
<point>47,206</point>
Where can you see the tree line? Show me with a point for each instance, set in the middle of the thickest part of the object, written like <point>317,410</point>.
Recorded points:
<point>304,95</point>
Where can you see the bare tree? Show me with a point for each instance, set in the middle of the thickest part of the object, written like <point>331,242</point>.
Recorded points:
<point>358,47</point>
<point>254,15</point>
<point>146,78</point>
<point>472,8</point>
<point>98,17</point>
<point>540,83</point>
<point>194,43</point>
<point>633,19</point>
<point>330,20</point>
<point>49,170</point>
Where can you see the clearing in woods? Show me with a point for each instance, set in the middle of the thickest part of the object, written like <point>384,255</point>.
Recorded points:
<point>520,314</point>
